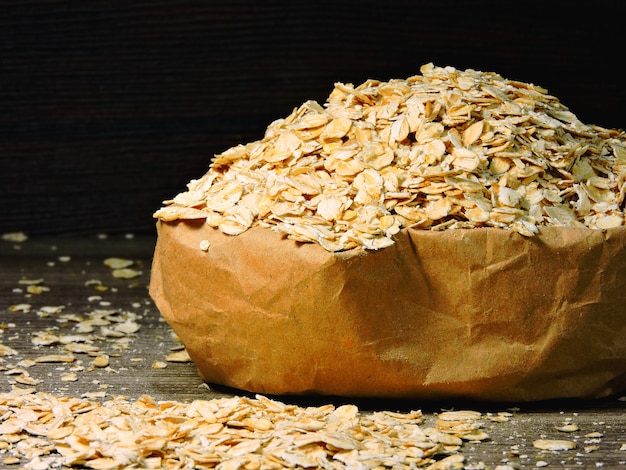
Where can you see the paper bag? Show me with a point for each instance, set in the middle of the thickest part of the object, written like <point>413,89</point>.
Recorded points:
<point>479,313</point>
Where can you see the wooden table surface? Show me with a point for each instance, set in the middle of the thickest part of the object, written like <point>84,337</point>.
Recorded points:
<point>48,284</point>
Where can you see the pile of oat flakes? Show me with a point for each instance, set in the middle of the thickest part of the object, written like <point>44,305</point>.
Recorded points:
<point>441,150</point>
<point>227,433</point>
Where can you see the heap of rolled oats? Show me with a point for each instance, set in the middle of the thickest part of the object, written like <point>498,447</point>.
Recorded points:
<point>442,150</point>
<point>51,431</point>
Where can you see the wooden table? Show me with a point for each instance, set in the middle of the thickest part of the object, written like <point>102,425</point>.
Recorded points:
<point>48,284</point>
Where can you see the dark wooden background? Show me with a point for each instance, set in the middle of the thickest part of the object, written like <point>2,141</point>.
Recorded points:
<point>109,107</point>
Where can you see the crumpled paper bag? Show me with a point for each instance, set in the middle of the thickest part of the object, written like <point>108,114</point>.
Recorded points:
<point>475,313</point>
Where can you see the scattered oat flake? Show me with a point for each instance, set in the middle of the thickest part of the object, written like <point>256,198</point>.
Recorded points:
<point>126,273</point>
<point>81,348</point>
<point>571,427</point>
<point>462,415</point>
<point>30,282</point>
<point>101,361</point>
<point>178,356</point>
<point>26,379</point>
<point>37,290</point>
<point>15,371</point>
<point>26,363</point>
<point>118,263</point>
<point>44,338</point>
<point>55,358</point>
<point>554,444</point>
<point>465,424</point>
<point>127,327</point>
<point>159,365</point>
<point>448,463</point>
<point>7,350</point>
<point>17,237</point>
<point>48,310</point>
<point>25,308</point>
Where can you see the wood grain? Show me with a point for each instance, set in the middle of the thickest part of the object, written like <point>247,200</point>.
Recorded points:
<point>108,107</point>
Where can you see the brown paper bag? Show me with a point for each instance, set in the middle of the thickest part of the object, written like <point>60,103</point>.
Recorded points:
<point>477,313</point>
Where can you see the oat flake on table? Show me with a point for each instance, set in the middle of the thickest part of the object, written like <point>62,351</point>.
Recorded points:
<point>44,430</point>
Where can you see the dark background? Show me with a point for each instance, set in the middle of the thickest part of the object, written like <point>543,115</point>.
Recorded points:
<point>107,108</point>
